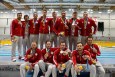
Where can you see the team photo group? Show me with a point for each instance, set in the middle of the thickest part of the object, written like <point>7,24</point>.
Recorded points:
<point>51,44</point>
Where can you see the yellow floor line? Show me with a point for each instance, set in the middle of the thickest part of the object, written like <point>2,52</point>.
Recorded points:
<point>100,43</point>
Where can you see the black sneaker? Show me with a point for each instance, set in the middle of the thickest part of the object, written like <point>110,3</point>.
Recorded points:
<point>20,57</point>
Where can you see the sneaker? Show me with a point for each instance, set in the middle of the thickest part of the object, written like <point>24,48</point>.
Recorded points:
<point>42,76</point>
<point>20,57</point>
<point>13,59</point>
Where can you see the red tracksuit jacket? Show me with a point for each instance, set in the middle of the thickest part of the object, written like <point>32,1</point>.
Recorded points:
<point>88,30</point>
<point>23,26</point>
<point>61,26</point>
<point>16,28</point>
<point>60,57</point>
<point>77,26</point>
<point>35,57</point>
<point>89,48</point>
<point>44,26</point>
<point>50,55</point>
<point>34,26</point>
<point>78,58</point>
<point>54,25</point>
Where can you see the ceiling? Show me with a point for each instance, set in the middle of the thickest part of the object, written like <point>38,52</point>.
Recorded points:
<point>96,5</point>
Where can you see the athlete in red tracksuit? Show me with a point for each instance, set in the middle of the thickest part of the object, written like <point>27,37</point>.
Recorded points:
<point>26,34</point>
<point>74,33</point>
<point>80,57</point>
<point>34,28</point>
<point>62,58</point>
<point>44,29</point>
<point>63,28</point>
<point>47,54</point>
<point>94,50</point>
<point>33,59</point>
<point>54,23</point>
<point>16,36</point>
<point>86,25</point>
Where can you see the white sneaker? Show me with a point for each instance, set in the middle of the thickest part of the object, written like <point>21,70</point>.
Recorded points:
<point>42,76</point>
<point>13,59</point>
<point>22,58</point>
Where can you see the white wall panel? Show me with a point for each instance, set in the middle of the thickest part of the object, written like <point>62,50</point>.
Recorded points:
<point>104,17</point>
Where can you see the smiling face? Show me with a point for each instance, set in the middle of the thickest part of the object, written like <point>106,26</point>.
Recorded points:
<point>89,41</point>
<point>35,15</point>
<point>19,16</point>
<point>63,14</point>
<point>74,15</point>
<point>62,46</point>
<point>48,44</point>
<point>33,45</point>
<point>44,12</point>
<point>85,15</point>
<point>79,47</point>
<point>54,14</point>
<point>26,17</point>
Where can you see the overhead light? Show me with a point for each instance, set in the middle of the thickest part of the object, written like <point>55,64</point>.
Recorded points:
<point>1,12</point>
<point>88,10</point>
<point>71,9</point>
<point>14,10</point>
<point>91,12</point>
<point>33,10</point>
<point>51,10</point>
<point>99,12</point>
<point>6,12</point>
<point>108,12</point>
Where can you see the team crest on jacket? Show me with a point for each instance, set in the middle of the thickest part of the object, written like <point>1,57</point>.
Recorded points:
<point>51,52</point>
<point>88,22</point>
<point>36,54</point>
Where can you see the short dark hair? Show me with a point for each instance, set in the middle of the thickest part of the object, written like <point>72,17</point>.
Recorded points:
<point>19,13</point>
<point>63,41</point>
<point>34,13</point>
<point>34,42</point>
<point>26,16</point>
<point>47,41</point>
<point>79,43</point>
<point>45,10</point>
<point>74,12</point>
<point>53,12</point>
<point>85,12</point>
<point>63,12</point>
<point>89,37</point>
